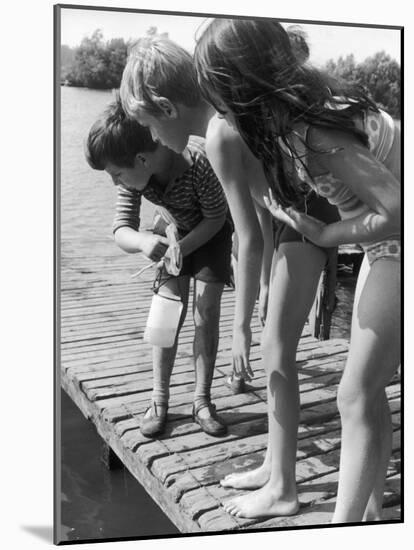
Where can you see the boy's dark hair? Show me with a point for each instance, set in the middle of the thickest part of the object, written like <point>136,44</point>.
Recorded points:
<point>117,139</point>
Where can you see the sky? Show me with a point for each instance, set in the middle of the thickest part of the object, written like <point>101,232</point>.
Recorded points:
<point>325,41</point>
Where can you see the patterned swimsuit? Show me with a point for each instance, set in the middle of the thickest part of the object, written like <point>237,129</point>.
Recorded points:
<point>381,130</point>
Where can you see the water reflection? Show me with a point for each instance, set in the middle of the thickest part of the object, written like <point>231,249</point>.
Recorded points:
<point>97,503</point>
<point>345,290</point>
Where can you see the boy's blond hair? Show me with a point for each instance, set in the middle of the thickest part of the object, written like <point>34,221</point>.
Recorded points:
<point>158,67</point>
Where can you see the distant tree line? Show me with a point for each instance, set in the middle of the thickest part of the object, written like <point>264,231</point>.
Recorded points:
<point>379,75</point>
<point>96,63</point>
<point>99,64</point>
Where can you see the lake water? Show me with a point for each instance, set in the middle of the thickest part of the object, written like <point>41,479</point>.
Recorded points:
<point>97,503</point>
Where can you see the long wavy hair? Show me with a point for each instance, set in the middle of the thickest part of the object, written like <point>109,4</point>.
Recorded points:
<point>259,71</point>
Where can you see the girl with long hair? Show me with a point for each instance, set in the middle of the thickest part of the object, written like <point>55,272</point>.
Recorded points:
<point>313,135</point>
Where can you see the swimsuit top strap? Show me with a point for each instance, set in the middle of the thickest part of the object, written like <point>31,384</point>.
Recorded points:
<point>380,129</point>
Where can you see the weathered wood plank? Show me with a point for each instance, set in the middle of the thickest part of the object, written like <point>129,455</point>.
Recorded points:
<point>211,473</point>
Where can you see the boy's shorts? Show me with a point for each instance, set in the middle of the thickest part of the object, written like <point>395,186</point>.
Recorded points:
<point>316,206</point>
<point>211,262</point>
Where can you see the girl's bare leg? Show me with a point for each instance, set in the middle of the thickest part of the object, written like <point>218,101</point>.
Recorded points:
<point>291,296</point>
<point>373,358</point>
<point>373,511</point>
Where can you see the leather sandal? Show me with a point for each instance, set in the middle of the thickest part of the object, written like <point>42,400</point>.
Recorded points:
<point>212,425</point>
<point>153,424</point>
<point>236,384</point>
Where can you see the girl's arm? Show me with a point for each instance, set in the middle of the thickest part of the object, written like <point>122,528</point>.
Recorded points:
<point>224,150</point>
<point>265,221</point>
<point>369,179</point>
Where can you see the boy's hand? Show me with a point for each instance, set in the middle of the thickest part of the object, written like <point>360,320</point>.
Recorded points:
<point>154,247</point>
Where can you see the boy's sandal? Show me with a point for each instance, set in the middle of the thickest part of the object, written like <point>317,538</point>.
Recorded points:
<point>212,425</point>
<point>236,384</point>
<point>154,423</point>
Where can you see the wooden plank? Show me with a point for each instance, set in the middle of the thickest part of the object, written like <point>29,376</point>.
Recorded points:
<point>315,492</point>
<point>209,473</point>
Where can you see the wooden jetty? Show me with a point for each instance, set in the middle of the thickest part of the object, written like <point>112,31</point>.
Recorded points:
<point>106,369</point>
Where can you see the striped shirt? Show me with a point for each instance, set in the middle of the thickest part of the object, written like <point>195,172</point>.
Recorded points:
<point>189,198</point>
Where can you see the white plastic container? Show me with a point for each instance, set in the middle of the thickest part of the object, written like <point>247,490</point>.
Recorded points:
<point>162,322</point>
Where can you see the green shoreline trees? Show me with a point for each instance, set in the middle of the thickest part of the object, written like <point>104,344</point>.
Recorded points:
<point>97,64</point>
<point>380,75</point>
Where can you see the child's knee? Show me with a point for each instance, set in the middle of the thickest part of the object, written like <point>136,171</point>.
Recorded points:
<point>207,306</point>
<point>206,313</point>
<point>354,400</point>
<point>277,350</point>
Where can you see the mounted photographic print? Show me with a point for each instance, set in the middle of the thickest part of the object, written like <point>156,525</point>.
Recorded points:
<point>227,209</point>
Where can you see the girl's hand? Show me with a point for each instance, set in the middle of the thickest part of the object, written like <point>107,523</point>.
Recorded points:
<point>285,215</point>
<point>309,226</point>
<point>242,339</point>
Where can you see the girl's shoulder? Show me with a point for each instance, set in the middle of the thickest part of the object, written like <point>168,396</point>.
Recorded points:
<point>225,145</point>
<point>220,134</point>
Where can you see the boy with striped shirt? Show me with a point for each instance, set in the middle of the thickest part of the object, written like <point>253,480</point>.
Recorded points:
<point>186,188</point>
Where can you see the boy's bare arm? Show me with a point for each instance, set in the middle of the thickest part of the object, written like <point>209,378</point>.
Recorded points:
<point>131,241</point>
<point>201,234</point>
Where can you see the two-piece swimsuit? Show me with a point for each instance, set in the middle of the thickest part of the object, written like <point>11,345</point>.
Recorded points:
<point>381,131</point>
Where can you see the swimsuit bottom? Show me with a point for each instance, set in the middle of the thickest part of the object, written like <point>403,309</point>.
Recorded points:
<point>388,249</point>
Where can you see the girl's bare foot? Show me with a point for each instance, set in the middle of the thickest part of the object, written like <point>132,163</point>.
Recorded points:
<point>252,479</point>
<point>263,503</point>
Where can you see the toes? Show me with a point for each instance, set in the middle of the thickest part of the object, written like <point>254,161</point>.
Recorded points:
<point>235,511</point>
<point>229,506</point>
<point>227,481</point>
